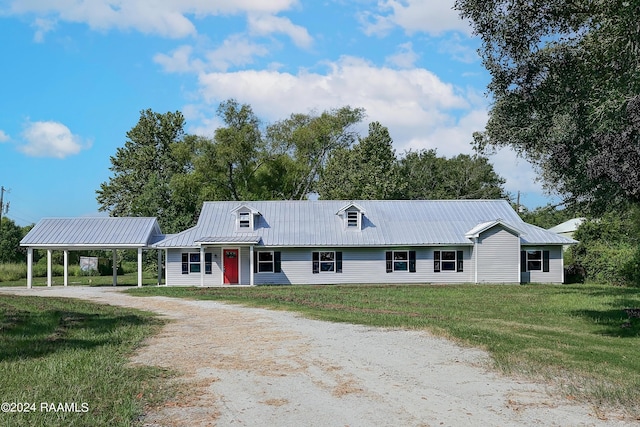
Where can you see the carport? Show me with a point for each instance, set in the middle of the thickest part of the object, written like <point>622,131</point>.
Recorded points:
<point>90,233</point>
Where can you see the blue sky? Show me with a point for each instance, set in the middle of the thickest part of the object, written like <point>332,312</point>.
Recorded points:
<point>76,75</point>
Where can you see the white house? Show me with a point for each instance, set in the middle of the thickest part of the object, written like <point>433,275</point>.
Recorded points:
<point>366,241</point>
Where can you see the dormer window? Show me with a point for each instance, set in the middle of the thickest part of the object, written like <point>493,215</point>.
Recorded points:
<point>353,219</point>
<point>352,215</point>
<point>244,220</point>
<point>245,217</point>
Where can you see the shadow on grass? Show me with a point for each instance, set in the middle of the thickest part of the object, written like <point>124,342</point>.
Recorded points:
<point>614,322</point>
<point>41,331</point>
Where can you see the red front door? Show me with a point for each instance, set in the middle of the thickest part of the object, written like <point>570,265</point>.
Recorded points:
<point>230,266</point>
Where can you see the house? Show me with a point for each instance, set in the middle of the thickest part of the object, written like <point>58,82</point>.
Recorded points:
<point>567,228</point>
<point>366,241</point>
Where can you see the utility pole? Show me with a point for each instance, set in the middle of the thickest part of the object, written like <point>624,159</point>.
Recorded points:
<point>1,205</point>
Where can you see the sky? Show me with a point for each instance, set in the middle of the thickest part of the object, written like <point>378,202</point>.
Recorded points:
<point>76,74</point>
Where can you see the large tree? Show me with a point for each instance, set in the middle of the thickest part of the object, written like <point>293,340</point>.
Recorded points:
<point>303,144</point>
<point>565,83</point>
<point>143,169</point>
<point>425,175</point>
<point>368,170</point>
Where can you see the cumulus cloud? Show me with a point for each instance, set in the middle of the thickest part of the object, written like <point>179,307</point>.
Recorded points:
<point>405,57</point>
<point>168,18</point>
<point>431,17</point>
<point>270,24</point>
<point>50,139</point>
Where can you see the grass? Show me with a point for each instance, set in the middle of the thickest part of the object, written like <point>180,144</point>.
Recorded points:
<point>570,336</point>
<point>56,350</point>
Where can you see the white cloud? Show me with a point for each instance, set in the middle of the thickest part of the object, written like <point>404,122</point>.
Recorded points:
<point>43,26</point>
<point>432,17</point>
<point>404,58</point>
<point>168,18</point>
<point>269,24</point>
<point>50,139</point>
<point>179,61</point>
<point>3,136</point>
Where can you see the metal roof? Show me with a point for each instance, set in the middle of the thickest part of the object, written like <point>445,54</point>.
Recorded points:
<point>94,232</point>
<point>385,223</point>
<point>568,226</point>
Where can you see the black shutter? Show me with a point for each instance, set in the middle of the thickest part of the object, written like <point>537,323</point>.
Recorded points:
<point>459,259</point>
<point>276,262</point>
<point>389,257</point>
<point>545,261</point>
<point>316,262</point>
<point>412,261</point>
<point>436,261</point>
<point>523,261</point>
<point>338,262</point>
<point>256,257</point>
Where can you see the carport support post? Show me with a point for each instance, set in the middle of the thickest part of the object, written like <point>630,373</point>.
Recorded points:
<point>49,269</point>
<point>29,267</point>
<point>114,267</point>
<point>159,267</point>
<point>66,267</point>
<point>139,267</point>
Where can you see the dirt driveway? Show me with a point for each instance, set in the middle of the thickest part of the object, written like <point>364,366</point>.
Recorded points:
<point>254,367</point>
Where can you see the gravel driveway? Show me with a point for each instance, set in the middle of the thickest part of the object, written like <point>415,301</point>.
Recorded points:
<point>254,367</point>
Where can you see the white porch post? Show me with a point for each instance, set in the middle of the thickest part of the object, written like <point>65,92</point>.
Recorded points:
<point>201,265</point>
<point>49,269</point>
<point>66,267</point>
<point>29,267</point>
<point>114,267</point>
<point>251,261</point>
<point>166,266</point>
<point>159,267</point>
<point>139,267</point>
<point>475,255</point>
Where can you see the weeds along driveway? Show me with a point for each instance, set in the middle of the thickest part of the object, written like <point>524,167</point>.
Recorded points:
<point>244,366</point>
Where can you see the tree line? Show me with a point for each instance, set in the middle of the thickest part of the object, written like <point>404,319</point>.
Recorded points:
<point>162,171</point>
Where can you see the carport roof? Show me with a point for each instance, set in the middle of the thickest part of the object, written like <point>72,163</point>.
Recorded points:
<point>93,232</point>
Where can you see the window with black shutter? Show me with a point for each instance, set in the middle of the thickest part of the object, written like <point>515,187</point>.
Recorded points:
<point>545,261</point>
<point>436,261</point>
<point>412,261</point>
<point>315,257</point>
<point>460,261</point>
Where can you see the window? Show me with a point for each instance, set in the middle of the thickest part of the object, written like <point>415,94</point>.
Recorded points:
<point>534,260</point>
<point>244,220</point>
<point>401,261</point>
<point>191,263</point>
<point>448,261</point>
<point>353,219</point>
<point>267,262</point>
<point>326,262</point>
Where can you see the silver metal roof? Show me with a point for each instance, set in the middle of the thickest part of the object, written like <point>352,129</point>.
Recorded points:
<point>385,223</point>
<point>97,232</point>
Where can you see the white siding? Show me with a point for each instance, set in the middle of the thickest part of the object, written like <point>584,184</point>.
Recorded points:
<point>362,265</point>
<point>498,256</point>
<point>174,276</point>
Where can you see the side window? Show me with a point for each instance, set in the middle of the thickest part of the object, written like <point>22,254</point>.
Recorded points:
<point>400,261</point>
<point>448,261</point>
<point>326,262</point>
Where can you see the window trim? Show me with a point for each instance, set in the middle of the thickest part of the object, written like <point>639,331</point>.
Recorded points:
<point>457,261</point>
<point>542,257</point>
<point>392,261</point>
<point>275,262</point>
<point>191,266</point>
<point>317,261</point>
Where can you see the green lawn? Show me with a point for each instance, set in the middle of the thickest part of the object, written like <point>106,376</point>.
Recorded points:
<point>569,335</point>
<point>129,279</point>
<point>62,351</point>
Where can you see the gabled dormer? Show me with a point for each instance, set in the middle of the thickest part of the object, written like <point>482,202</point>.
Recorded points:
<point>245,217</point>
<point>352,215</point>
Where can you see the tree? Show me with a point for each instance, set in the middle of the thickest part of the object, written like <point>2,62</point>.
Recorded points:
<point>10,236</point>
<point>143,169</point>
<point>309,140</point>
<point>368,170</point>
<point>565,88</point>
<point>424,175</point>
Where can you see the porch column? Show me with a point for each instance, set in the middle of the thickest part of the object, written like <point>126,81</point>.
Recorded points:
<point>201,265</point>
<point>475,256</point>
<point>139,267</point>
<point>159,267</point>
<point>29,267</point>
<point>49,269</point>
<point>114,267</point>
<point>66,267</point>
<point>251,262</point>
